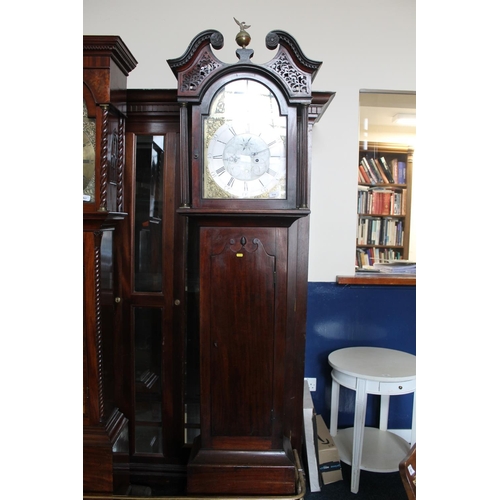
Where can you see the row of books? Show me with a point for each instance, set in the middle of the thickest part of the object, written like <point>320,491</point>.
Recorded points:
<point>379,171</point>
<point>380,231</point>
<point>381,201</point>
<point>370,256</point>
<point>396,267</point>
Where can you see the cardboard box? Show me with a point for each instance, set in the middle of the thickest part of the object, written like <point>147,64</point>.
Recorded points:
<point>328,454</point>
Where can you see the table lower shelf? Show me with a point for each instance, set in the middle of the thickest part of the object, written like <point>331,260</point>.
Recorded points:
<point>382,450</point>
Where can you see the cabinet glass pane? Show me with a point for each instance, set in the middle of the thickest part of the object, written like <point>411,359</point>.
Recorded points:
<point>147,355</point>
<point>148,213</point>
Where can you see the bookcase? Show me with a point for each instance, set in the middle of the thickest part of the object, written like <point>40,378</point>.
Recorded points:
<point>384,202</point>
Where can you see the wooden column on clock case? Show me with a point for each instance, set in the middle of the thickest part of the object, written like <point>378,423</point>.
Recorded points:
<point>251,257</point>
<point>106,65</point>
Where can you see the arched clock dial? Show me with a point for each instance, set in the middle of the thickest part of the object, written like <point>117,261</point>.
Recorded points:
<point>245,138</point>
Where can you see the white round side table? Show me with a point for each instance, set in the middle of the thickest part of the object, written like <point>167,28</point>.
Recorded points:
<point>371,370</point>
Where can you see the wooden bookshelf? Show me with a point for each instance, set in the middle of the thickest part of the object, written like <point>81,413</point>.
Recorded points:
<point>384,202</point>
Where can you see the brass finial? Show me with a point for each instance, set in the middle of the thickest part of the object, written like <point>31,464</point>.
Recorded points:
<point>242,38</point>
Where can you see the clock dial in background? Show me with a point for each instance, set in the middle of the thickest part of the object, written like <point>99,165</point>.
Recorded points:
<point>88,157</point>
<point>88,160</point>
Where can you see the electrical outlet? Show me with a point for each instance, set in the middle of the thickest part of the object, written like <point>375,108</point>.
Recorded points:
<point>312,383</point>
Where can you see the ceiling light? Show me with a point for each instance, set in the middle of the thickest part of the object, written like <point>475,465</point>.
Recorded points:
<point>404,119</point>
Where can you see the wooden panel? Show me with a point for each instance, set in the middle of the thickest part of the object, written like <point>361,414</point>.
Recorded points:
<point>241,473</point>
<point>237,293</point>
<point>97,468</point>
<point>241,280</point>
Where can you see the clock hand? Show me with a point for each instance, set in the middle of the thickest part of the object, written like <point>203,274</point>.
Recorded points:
<point>258,152</point>
<point>245,143</point>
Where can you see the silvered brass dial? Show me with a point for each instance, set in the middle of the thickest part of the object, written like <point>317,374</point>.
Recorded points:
<point>245,141</point>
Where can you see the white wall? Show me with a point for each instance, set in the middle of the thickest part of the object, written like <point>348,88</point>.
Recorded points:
<point>364,44</point>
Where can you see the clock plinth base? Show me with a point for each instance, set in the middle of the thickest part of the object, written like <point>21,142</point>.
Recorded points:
<point>226,472</point>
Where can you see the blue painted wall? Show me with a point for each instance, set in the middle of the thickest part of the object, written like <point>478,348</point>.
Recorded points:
<point>355,315</point>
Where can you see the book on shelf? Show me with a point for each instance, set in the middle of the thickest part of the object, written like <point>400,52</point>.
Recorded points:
<point>364,176</point>
<point>401,172</point>
<point>375,171</point>
<point>363,199</point>
<point>362,231</point>
<point>360,178</point>
<point>367,169</point>
<point>381,201</point>
<point>381,171</point>
<point>398,171</point>
<point>387,170</point>
<point>394,168</point>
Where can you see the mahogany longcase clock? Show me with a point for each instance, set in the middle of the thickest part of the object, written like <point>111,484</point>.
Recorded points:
<point>107,63</point>
<point>245,189</point>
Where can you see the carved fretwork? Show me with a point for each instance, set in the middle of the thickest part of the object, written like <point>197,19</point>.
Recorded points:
<point>297,82</point>
<point>205,66</point>
<point>198,65</point>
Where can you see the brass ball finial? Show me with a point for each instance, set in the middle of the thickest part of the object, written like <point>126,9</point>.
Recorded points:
<point>242,38</point>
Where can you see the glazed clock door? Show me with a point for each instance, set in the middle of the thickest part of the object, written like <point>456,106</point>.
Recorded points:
<point>152,277</point>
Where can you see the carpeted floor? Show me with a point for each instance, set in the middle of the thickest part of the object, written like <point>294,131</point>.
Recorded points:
<point>372,486</point>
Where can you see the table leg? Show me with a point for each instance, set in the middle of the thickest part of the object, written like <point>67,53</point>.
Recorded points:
<point>384,412</point>
<point>358,433</point>
<point>334,408</point>
<point>414,419</point>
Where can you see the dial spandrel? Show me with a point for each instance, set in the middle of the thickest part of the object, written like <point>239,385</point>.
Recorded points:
<point>245,139</point>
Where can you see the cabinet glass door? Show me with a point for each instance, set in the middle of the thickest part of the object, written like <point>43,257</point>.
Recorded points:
<point>153,282</point>
<point>148,377</point>
<point>148,213</point>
